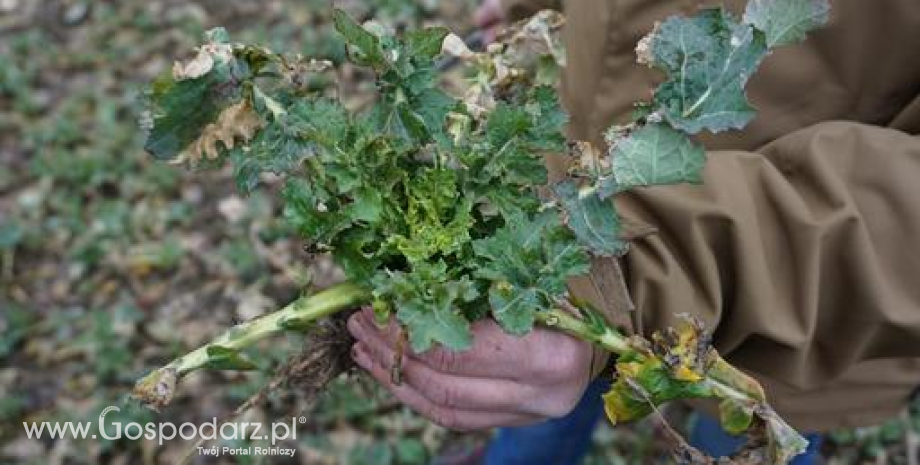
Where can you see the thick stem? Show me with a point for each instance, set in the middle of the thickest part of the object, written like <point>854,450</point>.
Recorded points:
<point>157,388</point>
<point>610,340</point>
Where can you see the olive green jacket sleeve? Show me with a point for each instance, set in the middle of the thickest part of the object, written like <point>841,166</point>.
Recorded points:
<point>804,256</point>
<point>801,250</point>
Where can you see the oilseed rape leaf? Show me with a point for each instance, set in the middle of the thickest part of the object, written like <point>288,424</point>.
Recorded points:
<point>655,154</point>
<point>708,59</point>
<point>785,22</point>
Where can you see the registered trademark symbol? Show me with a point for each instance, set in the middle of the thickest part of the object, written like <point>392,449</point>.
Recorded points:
<point>302,420</point>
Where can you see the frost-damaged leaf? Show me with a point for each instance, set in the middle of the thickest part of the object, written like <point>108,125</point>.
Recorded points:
<point>204,101</point>
<point>594,221</point>
<point>784,442</point>
<point>681,364</point>
<point>708,59</point>
<point>643,382</point>
<point>785,22</point>
<point>538,35</point>
<point>453,45</point>
<point>654,154</point>
<point>237,121</point>
<point>178,111</point>
<point>208,55</point>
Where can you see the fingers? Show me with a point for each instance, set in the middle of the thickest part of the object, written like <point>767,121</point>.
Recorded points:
<point>452,418</point>
<point>449,390</point>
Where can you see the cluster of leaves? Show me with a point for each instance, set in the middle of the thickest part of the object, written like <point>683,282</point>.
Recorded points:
<point>440,204</point>
<point>431,204</point>
<point>707,60</point>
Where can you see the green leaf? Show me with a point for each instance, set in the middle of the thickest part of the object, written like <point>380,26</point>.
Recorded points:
<point>505,123</point>
<point>224,358</point>
<point>528,262</point>
<point>594,221</point>
<point>426,42</point>
<point>785,22</point>
<point>438,222</point>
<point>514,145</point>
<point>440,323</point>
<point>708,59</point>
<point>430,305</point>
<point>275,148</point>
<point>655,154</point>
<point>549,119</point>
<point>367,44</point>
<point>367,205</point>
<point>312,211</point>
<point>514,308</point>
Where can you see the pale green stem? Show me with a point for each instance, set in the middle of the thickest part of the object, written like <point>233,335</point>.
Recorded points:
<point>157,388</point>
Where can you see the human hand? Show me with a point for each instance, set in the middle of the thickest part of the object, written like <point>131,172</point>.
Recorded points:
<point>502,380</point>
<point>489,18</point>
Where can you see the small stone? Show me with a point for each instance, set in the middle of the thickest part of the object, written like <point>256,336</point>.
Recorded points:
<point>75,13</point>
<point>7,6</point>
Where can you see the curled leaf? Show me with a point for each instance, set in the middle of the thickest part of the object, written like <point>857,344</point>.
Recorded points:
<point>454,46</point>
<point>537,35</point>
<point>208,54</point>
<point>237,121</point>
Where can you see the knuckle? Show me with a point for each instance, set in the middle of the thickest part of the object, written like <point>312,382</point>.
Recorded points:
<point>444,395</point>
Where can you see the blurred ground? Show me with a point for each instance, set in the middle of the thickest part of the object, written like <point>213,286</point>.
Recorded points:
<point>111,264</point>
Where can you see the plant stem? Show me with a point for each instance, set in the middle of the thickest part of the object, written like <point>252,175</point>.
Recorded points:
<point>609,339</point>
<point>157,388</point>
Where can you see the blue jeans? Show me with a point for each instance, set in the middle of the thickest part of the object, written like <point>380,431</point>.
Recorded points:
<point>566,440</point>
